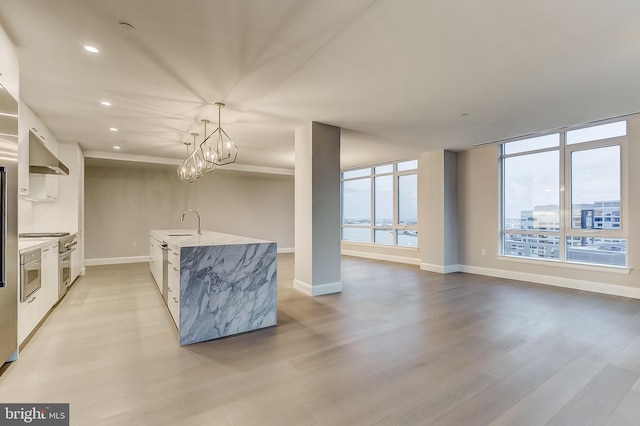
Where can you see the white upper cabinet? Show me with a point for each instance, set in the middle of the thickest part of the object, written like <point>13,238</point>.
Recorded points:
<point>42,188</point>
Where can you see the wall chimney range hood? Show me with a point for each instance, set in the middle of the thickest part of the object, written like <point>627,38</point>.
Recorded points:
<point>42,161</point>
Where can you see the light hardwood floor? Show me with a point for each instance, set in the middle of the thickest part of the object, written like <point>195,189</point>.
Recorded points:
<point>397,346</point>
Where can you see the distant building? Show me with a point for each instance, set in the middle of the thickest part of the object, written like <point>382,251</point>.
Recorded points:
<point>606,215</point>
<point>586,249</point>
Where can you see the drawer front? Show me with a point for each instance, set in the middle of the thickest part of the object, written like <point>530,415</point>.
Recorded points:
<point>173,303</point>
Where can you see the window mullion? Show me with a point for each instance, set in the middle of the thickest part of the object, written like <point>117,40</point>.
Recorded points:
<point>372,207</point>
<point>394,229</point>
<point>565,196</point>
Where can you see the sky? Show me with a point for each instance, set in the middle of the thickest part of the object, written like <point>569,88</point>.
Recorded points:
<point>533,180</point>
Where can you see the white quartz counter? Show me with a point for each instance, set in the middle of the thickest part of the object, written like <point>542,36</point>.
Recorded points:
<point>178,238</point>
<point>28,244</point>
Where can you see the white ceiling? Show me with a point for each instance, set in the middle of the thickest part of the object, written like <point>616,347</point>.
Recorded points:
<point>399,76</point>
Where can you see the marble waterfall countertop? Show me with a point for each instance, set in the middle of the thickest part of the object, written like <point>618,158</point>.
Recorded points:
<point>227,284</point>
<point>190,238</point>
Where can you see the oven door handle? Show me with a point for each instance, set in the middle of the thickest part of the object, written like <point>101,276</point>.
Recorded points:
<point>64,253</point>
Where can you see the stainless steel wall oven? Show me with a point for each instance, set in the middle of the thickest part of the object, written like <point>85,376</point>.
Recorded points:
<point>30,273</point>
<point>66,246</point>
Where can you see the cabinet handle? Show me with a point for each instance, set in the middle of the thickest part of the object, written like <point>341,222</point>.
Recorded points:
<point>32,299</point>
<point>175,269</point>
<point>45,250</point>
<point>169,263</point>
<point>169,289</point>
<point>175,300</point>
<point>174,253</point>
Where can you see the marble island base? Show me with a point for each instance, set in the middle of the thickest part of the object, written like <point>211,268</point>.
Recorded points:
<point>224,289</point>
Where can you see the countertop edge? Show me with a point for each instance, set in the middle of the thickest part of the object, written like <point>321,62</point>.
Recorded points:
<point>208,238</point>
<point>29,244</point>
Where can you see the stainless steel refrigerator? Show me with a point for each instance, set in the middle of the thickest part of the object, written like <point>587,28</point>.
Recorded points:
<point>8,225</point>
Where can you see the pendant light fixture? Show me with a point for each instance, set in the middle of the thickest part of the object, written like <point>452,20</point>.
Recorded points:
<point>192,168</point>
<point>217,149</point>
<point>207,156</point>
<point>183,169</point>
<point>219,145</point>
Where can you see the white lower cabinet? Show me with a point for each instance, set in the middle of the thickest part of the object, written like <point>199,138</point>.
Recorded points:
<point>36,307</point>
<point>173,273</point>
<point>76,258</point>
<point>29,315</point>
<point>50,277</point>
<point>155,260</point>
<point>173,279</point>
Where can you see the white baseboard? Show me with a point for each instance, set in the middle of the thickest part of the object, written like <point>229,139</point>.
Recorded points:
<point>115,260</point>
<point>592,286</point>
<point>439,268</point>
<point>317,290</point>
<point>286,250</point>
<point>379,256</point>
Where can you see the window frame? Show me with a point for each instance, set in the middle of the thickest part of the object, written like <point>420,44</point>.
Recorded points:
<point>395,227</point>
<point>565,203</point>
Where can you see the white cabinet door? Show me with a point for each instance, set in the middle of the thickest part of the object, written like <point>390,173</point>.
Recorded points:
<point>49,278</point>
<point>155,260</point>
<point>76,263</point>
<point>173,276</point>
<point>43,187</point>
<point>173,299</point>
<point>29,315</point>
<point>23,165</point>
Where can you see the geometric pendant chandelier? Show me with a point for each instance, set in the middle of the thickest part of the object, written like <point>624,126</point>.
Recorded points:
<point>217,149</point>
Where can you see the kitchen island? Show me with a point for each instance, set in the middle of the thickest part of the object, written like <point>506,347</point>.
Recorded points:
<point>214,284</point>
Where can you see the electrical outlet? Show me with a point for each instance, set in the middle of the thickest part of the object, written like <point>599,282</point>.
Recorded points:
<point>484,252</point>
<point>134,244</point>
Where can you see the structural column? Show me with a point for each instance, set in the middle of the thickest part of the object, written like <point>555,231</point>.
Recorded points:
<point>317,209</point>
<point>438,210</point>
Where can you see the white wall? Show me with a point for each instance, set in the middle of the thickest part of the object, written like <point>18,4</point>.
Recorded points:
<point>123,203</point>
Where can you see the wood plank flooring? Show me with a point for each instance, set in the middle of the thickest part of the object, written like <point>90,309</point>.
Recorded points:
<point>398,346</point>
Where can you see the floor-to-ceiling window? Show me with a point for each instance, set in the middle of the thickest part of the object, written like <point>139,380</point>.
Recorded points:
<point>380,204</point>
<point>562,196</point>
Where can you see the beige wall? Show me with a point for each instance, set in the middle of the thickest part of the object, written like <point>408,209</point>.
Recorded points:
<point>123,203</point>
<point>479,228</point>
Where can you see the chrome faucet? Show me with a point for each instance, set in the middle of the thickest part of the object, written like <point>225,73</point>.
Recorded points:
<point>191,210</point>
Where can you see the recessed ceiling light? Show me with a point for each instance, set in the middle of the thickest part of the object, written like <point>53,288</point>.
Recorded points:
<point>91,49</point>
<point>106,103</point>
<point>116,147</point>
<point>113,129</point>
